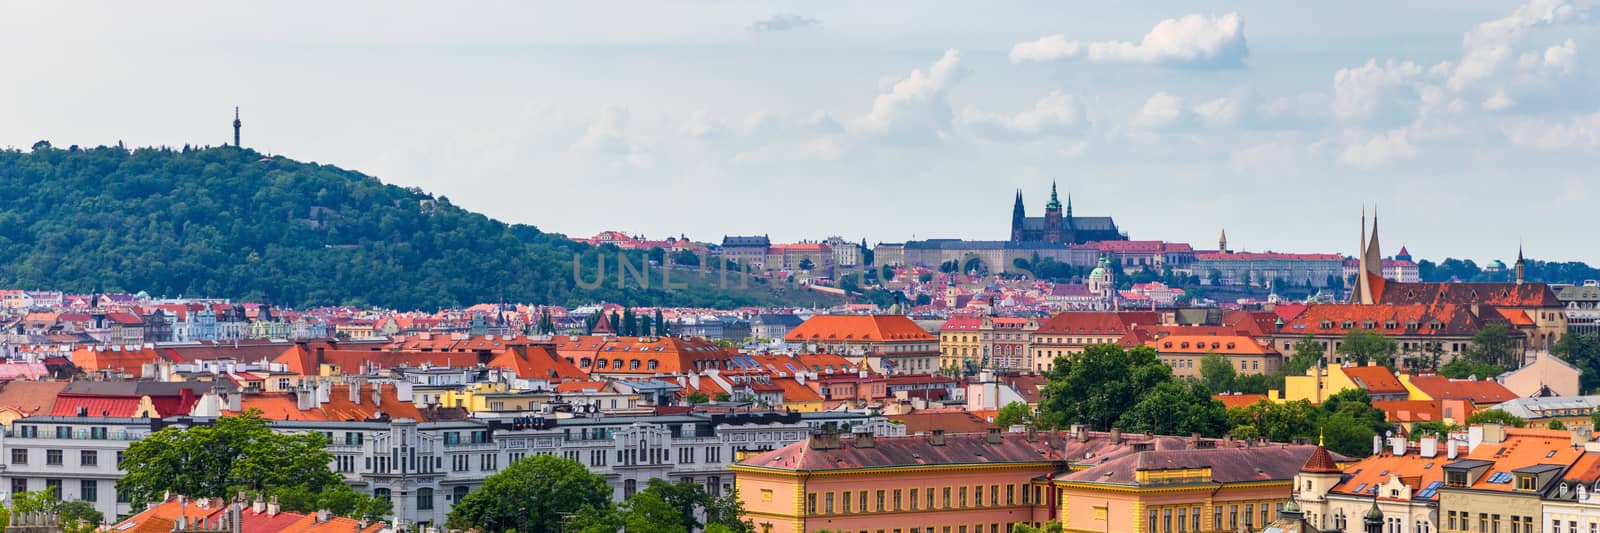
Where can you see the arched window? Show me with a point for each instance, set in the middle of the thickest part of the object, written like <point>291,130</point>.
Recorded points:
<point>425,499</point>
<point>382,494</point>
<point>459,493</point>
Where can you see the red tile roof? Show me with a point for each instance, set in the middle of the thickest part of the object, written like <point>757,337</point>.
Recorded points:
<point>1482,393</point>
<point>1503,294</point>
<point>1231,401</point>
<point>1375,379</point>
<point>1320,461</point>
<point>862,328</point>
<point>1096,323</point>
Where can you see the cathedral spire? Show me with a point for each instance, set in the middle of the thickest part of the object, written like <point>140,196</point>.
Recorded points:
<point>236,125</point>
<point>1521,265</point>
<point>1069,204</point>
<point>1055,201</point>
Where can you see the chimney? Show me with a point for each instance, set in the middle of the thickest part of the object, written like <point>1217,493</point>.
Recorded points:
<point>823,441</point>
<point>1494,433</point>
<point>377,394</point>
<point>304,398</point>
<point>1399,445</point>
<point>1194,440</point>
<point>324,392</point>
<point>1377,444</point>
<point>403,391</point>
<point>1580,437</point>
<point>258,506</point>
<point>323,515</point>
<point>1032,434</point>
<point>1430,447</point>
<point>1450,448</point>
<point>1116,436</point>
<point>936,438</point>
<point>863,439</point>
<point>272,506</point>
<point>355,391</point>
<point>236,401</point>
<point>994,436</point>
<point>1080,433</point>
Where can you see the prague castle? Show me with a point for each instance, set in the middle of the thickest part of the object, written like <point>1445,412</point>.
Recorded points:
<point>1058,227</point>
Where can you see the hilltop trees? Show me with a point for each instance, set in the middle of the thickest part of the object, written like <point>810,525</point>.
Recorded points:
<point>231,222</point>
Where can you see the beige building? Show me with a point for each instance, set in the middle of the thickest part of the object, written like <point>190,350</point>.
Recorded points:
<point>891,344</point>
<point>1070,332</point>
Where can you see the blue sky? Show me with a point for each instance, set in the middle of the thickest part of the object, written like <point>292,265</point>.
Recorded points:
<point>1472,125</point>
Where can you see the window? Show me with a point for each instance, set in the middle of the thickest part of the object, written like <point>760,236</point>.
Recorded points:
<point>827,503</point>
<point>19,456</point>
<point>844,501</point>
<point>89,458</point>
<point>459,493</point>
<point>425,499</point>
<point>880,501</point>
<point>1194,518</point>
<point>897,505</point>
<point>1216,517</point>
<point>53,486</point>
<point>52,457</point>
<point>977,496</point>
<point>19,485</point>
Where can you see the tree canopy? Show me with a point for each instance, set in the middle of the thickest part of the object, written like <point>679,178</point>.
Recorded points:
<point>1346,422</point>
<point>234,223</point>
<point>1582,350</point>
<point>240,454</point>
<point>1360,346</point>
<point>1096,386</point>
<point>531,494</point>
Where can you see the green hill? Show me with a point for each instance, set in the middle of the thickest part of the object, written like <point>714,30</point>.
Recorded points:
<point>225,222</point>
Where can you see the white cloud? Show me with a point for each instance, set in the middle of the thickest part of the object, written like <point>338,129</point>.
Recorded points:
<point>1161,110</point>
<point>1055,113</point>
<point>1500,101</point>
<point>1562,58</point>
<point>784,22</point>
<point>1377,149</point>
<point>1195,40</point>
<point>1579,131</point>
<point>1365,92</point>
<point>1487,47</point>
<point>606,140</point>
<point>916,106</point>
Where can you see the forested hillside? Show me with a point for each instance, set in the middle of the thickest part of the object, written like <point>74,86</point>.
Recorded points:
<point>227,222</point>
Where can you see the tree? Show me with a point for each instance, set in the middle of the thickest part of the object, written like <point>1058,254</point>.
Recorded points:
<point>1582,350</point>
<point>1308,352</point>
<point>1430,427</point>
<point>531,495</point>
<point>1557,424</point>
<point>662,328</point>
<point>75,516</point>
<point>1494,345</point>
<point>1277,422</point>
<point>888,274</point>
<point>1216,372</point>
<point>1177,407</point>
<point>646,511</point>
<point>697,397</point>
<point>806,264</point>
<point>1012,414</point>
<point>1496,416</point>
<point>1361,346</point>
<point>1462,368</point>
<point>232,455</point>
<point>1097,385</point>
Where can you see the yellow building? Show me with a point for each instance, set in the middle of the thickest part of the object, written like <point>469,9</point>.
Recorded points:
<point>1317,384</point>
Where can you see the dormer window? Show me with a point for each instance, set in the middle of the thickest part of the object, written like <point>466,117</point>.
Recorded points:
<point>1526,482</point>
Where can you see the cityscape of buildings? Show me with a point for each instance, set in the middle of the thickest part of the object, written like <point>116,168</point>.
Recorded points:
<point>859,417</point>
